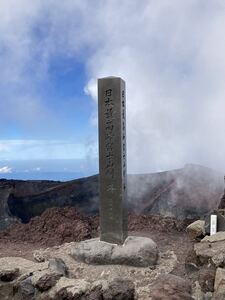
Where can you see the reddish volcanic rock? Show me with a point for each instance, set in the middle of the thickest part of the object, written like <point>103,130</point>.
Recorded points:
<point>156,222</point>
<point>59,225</point>
<point>55,226</point>
<point>171,287</point>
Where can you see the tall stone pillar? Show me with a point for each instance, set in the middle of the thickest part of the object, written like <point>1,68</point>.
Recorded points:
<point>112,159</point>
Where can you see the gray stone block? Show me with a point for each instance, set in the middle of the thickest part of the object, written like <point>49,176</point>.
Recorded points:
<point>112,159</point>
<point>57,265</point>
<point>136,251</point>
<point>93,251</point>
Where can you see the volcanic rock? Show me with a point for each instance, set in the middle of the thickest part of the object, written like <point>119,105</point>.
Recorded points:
<point>219,286</point>
<point>44,280</point>
<point>10,274</point>
<point>58,266</point>
<point>210,253</point>
<point>206,279</point>
<point>119,289</point>
<point>217,237</point>
<point>54,227</point>
<point>25,290</point>
<point>38,256</point>
<point>171,287</point>
<point>136,251</point>
<point>196,229</point>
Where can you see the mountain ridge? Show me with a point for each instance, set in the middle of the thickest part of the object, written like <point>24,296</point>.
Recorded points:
<point>189,192</point>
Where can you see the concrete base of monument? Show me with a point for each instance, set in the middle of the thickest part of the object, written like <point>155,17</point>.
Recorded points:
<point>136,251</point>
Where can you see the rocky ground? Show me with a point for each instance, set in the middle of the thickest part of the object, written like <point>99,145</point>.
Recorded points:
<point>186,268</point>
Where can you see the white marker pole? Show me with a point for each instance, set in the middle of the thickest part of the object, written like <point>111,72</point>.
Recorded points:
<point>213,224</point>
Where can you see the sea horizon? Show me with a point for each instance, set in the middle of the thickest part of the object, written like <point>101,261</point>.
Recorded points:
<point>55,169</point>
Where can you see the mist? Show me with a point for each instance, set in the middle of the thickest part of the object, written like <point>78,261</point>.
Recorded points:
<point>170,53</point>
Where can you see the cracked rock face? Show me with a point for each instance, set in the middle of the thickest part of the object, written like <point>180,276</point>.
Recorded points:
<point>136,251</point>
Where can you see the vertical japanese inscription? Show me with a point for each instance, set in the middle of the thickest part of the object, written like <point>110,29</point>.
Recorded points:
<point>109,132</point>
<point>112,159</point>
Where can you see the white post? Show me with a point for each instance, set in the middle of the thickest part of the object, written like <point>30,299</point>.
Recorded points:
<point>213,224</point>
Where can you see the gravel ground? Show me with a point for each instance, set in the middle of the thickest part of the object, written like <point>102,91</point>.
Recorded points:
<point>57,226</point>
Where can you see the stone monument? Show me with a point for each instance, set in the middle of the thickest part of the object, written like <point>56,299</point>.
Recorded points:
<point>112,159</point>
<point>114,247</point>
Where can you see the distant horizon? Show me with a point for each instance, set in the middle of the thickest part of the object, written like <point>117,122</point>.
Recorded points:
<point>48,169</point>
<point>63,169</point>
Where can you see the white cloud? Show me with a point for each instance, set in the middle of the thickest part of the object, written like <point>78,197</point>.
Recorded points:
<point>91,89</point>
<point>5,170</point>
<point>171,54</point>
<point>42,149</point>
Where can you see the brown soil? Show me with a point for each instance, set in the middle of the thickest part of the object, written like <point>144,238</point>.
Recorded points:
<point>59,225</point>
<point>54,227</point>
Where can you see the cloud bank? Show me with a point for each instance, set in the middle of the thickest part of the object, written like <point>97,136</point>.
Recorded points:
<point>5,170</point>
<point>171,54</point>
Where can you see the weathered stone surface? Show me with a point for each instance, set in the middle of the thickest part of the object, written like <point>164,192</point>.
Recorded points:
<point>219,285</point>
<point>197,293</point>
<point>219,278</point>
<point>112,159</point>
<point>67,288</point>
<point>210,253</point>
<point>38,256</point>
<point>136,251</point>
<point>208,296</point>
<point>119,289</point>
<point>93,251</point>
<point>171,287</point>
<point>196,229</point>
<point>57,265</point>
<point>81,289</point>
<point>217,237</point>
<point>191,262</point>
<point>7,275</point>
<point>22,264</point>
<point>142,277</point>
<point>22,283</point>
<point>44,280</point>
<point>218,259</point>
<point>6,290</point>
<point>26,290</point>
<point>206,279</point>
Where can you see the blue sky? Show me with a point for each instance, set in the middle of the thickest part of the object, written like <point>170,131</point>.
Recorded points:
<point>64,99</point>
<point>170,53</point>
